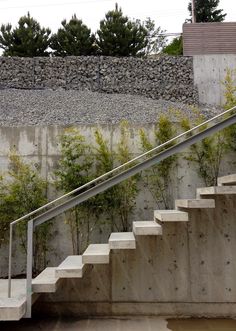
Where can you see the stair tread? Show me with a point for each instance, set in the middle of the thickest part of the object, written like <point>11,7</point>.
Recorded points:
<point>147,228</point>
<point>97,249</point>
<point>96,253</point>
<point>72,262</point>
<point>12,309</point>
<point>195,203</point>
<point>216,190</point>
<point>46,276</point>
<point>225,180</point>
<point>171,215</point>
<point>12,302</point>
<point>71,267</point>
<point>46,281</point>
<point>122,236</point>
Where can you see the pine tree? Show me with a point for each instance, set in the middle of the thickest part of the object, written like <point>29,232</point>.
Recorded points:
<point>74,38</point>
<point>175,47</point>
<point>155,39</point>
<point>28,39</point>
<point>119,36</point>
<point>206,11</point>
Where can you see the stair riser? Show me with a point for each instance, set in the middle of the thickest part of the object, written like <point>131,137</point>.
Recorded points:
<point>227,180</point>
<point>194,204</point>
<point>161,216</point>
<point>122,245</point>
<point>12,314</point>
<point>69,273</point>
<point>148,232</point>
<point>45,288</point>
<point>95,259</point>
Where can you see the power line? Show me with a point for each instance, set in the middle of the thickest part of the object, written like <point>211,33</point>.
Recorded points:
<point>170,34</point>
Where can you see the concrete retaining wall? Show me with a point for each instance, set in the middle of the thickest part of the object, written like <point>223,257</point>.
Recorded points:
<point>189,271</point>
<point>209,75</point>
<point>40,145</point>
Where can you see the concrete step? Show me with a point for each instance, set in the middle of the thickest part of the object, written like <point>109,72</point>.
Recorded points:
<point>96,254</point>
<point>195,203</point>
<point>122,240</point>
<point>46,281</point>
<point>148,228</point>
<point>227,180</point>
<point>170,216</point>
<point>12,309</point>
<point>216,190</point>
<point>71,267</point>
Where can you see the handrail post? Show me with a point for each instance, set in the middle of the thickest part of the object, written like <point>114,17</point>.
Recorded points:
<point>30,231</point>
<point>10,261</point>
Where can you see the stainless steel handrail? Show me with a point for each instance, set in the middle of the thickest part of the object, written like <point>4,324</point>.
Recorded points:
<point>120,167</point>
<point>108,183</point>
<point>96,180</point>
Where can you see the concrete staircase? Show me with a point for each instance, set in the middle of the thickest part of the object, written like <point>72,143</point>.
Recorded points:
<point>74,266</point>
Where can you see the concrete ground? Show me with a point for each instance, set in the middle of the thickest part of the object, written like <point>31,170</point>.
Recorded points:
<point>124,324</point>
<point>120,324</point>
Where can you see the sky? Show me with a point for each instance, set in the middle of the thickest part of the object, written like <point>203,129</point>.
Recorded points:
<point>169,14</point>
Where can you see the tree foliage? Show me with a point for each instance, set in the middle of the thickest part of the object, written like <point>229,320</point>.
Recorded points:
<point>73,38</point>
<point>175,47</point>
<point>74,170</point>
<point>128,189</point>
<point>208,154</point>
<point>118,202</point>
<point>230,102</point>
<point>22,190</point>
<point>28,39</point>
<point>119,36</point>
<point>157,178</point>
<point>207,11</point>
<point>155,41</point>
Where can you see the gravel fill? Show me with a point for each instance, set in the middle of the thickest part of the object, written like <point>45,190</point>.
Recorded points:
<point>61,107</point>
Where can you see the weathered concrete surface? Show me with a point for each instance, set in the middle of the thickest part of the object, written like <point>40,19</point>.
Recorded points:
<point>227,180</point>
<point>96,254</point>
<point>212,245</point>
<point>209,75</point>
<point>171,215</point>
<point>167,267</point>
<point>71,267</point>
<point>18,288</point>
<point>122,240</point>
<point>147,228</point>
<point>188,271</point>
<point>46,281</point>
<point>12,308</point>
<point>39,145</point>
<point>195,203</point>
<point>219,190</point>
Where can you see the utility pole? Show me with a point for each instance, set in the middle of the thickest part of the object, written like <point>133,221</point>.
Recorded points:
<point>193,12</point>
